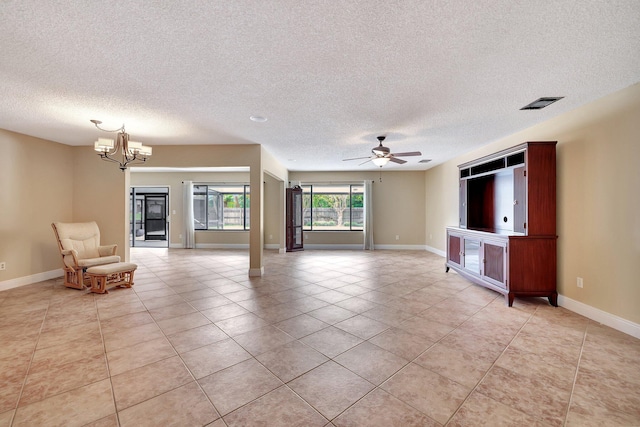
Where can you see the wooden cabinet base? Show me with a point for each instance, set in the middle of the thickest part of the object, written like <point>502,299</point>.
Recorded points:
<point>509,296</point>
<point>515,266</point>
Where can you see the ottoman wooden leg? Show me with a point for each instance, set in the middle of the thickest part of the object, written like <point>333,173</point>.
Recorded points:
<point>99,284</point>
<point>127,279</point>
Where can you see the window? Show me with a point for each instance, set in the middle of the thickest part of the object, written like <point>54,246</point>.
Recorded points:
<point>221,207</point>
<point>333,207</point>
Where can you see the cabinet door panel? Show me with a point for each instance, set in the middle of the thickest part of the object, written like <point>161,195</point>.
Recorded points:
<point>462,204</point>
<point>495,263</point>
<point>454,249</point>
<point>472,255</point>
<point>519,200</point>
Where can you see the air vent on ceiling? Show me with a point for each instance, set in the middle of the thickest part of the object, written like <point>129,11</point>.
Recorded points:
<point>541,103</point>
<point>424,161</point>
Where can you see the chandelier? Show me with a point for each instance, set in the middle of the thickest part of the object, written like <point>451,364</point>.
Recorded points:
<point>121,151</point>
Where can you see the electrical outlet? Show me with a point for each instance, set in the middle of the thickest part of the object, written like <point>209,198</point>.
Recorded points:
<point>3,265</point>
<point>580,282</point>
<point>270,236</point>
<point>397,237</point>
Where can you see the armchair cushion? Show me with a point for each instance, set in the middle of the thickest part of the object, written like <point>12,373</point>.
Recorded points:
<point>91,262</point>
<point>80,245</point>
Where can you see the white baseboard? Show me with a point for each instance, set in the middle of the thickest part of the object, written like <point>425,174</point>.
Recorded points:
<point>256,272</point>
<point>356,247</point>
<point>315,246</point>
<point>600,316</point>
<point>28,280</point>
<point>443,254</point>
<point>401,247</point>
<point>345,247</point>
<point>222,246</point>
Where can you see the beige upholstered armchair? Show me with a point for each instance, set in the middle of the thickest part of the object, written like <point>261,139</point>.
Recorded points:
<point>79,244</point>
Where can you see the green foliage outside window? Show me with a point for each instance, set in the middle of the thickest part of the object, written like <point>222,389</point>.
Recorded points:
<point>333,207</point>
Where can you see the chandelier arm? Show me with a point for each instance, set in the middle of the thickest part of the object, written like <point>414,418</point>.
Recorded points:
<point>123,141</point>
<point>106,157</point>
<point>97,124</point>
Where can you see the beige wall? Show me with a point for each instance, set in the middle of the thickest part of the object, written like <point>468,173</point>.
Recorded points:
<point>276,178</point>
<point>42,182</point>
<point>273,211</point>
<point>36,189</point>
<point>224,155</point>
<point>173,180</point>
<point>598,200</point>
<point>100,193</point>
<point>398,207</point>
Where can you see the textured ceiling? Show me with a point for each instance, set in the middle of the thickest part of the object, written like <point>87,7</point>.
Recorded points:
<point>440,77</point>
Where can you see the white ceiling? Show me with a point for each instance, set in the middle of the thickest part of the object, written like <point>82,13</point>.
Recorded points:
<point>440,77</point>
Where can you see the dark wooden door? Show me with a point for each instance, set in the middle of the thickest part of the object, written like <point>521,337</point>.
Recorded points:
<point>294,219</point>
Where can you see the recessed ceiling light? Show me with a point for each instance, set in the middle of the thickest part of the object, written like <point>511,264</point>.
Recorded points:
<point>541,103</point>
<point>258,119</point>
<point>424,161</point>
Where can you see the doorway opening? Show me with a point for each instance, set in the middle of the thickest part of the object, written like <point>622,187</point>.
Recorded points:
<point>149,219</point>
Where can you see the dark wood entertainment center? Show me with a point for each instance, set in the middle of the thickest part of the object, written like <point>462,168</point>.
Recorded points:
<point>506,237</point>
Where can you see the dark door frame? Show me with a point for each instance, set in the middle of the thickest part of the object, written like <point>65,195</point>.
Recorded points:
<point>139,225</point>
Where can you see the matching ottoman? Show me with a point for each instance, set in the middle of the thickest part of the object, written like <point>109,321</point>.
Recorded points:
<point>116,274</point>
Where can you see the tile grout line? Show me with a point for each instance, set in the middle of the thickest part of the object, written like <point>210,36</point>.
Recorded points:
<point>33,354</point>
<point>491,367</point>
<point>575,375</point>
<point>106,361</point>
<point>181,358</point>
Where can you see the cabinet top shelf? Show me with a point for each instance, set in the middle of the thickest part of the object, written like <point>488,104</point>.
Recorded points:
<point>494,231</point>
<point>505,158</point>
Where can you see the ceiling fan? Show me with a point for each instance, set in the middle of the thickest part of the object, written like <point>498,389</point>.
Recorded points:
<point>382,155</point>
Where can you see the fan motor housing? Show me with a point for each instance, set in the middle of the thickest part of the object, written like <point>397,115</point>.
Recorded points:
<point>380,150</point>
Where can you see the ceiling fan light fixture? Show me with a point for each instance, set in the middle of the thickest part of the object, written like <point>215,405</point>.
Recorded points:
<point>380,150</point>
<point>380,161</point>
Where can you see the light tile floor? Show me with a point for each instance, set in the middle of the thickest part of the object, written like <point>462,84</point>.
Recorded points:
<point>324,338</point>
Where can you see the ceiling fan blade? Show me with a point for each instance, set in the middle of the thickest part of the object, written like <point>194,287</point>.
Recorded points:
<point>399,161</point>
<point>355,158</point>
<point>365,162</point>
<point>410,153</point>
